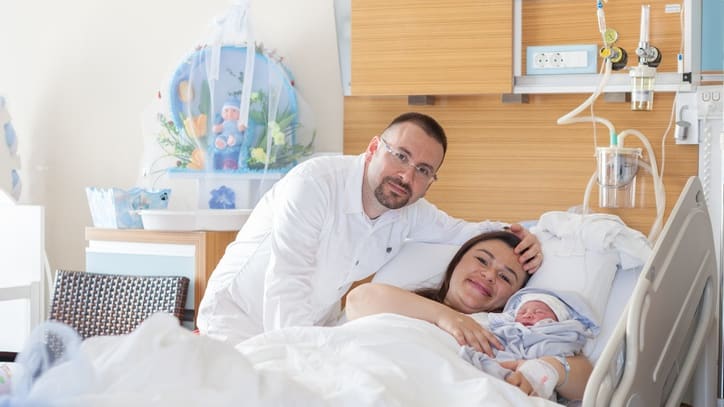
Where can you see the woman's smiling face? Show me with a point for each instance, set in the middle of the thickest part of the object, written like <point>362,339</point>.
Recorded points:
<point>485,278</point>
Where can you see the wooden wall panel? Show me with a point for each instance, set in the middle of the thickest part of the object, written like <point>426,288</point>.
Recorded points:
<point>431,47</point>
<point>513,162</point>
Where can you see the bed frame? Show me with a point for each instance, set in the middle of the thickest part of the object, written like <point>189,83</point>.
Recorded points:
<point>664,349</point>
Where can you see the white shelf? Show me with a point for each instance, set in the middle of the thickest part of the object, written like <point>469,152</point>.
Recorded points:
<point>587,83</point>
<point>250,176</point>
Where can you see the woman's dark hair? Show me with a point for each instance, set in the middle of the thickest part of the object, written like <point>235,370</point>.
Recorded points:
<point>438,294</point>
<point>429,125</point>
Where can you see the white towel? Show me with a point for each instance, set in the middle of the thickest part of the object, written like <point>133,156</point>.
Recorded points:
<point>583,252</point>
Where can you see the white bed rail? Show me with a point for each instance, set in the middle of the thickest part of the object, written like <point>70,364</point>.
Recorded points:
<point>656,348</point>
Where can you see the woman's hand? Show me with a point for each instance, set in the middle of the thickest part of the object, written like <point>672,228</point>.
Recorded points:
<point>467,331</point>
<point>529,249</point>
<point>517,378</point>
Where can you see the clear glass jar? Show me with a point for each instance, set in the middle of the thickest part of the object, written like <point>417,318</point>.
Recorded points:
<point>642,87</point>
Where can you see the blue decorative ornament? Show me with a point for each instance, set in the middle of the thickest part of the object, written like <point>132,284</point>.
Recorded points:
<point>10,139</point>
<point>192,96</point>
<point>9,160</point>
<point>223,198</point>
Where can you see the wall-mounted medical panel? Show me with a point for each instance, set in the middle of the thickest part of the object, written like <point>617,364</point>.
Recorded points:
<point>540,22</point>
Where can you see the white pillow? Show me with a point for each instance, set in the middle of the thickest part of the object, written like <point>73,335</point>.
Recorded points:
<point>417,265</point>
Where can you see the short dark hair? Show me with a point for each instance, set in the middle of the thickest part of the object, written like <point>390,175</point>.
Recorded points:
<point>439,293</point>
<point>429,125</point>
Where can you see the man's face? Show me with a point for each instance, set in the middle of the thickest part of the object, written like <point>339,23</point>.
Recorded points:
<point>397,183</point>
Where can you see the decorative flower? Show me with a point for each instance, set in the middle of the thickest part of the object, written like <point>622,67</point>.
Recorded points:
<point>258,155</point>
<point>185,91</point>
<point>195,126</point>
<point>176,142</point>
<point>222,198</point>
<point>277,134</point>
<point>198,159</point>
<point>282,153</point>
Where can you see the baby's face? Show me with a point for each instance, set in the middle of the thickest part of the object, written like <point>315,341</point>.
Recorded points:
<point>533,312</point>
<point>230,113</point>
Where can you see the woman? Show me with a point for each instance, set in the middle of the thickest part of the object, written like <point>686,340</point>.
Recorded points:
<point>481,277</point>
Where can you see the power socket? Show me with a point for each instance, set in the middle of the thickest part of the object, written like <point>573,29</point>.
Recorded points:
<point>709,102</point>
<point>561,59</point>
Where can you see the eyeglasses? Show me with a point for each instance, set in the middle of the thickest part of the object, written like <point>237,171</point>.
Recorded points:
<point>402,160</point>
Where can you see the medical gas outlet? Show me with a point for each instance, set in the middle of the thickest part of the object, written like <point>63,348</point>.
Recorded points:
<point>644,75</point>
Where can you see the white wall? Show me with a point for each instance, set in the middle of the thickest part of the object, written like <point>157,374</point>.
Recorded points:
<point>77,75</point>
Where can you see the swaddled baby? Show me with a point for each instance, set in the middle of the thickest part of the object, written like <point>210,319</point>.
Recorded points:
<point>533,324</point>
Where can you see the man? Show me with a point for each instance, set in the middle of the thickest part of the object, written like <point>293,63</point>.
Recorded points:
<point>332,221</point>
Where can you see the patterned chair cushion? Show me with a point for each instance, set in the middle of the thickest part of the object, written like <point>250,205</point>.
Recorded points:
<point>110,304</point>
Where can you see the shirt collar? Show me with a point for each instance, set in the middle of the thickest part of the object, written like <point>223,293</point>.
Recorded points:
<point>353,188</point>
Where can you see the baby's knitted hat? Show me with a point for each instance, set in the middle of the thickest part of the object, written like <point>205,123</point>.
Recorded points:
<point>559,307</point>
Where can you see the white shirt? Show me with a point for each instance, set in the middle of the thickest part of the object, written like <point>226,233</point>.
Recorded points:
<point>305,243</point>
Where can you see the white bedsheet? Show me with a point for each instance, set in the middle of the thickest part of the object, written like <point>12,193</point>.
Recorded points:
<point>383,360</point>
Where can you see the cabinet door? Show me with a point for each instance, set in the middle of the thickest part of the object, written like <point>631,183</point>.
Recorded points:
<point>426,47</point>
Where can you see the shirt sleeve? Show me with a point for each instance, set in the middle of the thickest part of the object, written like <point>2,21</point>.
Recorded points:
<point>298,218</point>
<point>430,224</point>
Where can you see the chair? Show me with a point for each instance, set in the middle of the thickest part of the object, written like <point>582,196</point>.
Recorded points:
<point>112,304</point>
<point>105,304</point>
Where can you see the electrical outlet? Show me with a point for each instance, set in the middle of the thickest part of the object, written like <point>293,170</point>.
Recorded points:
<point>564,59</point>
<point>709,102</point>
<point>561,59</point>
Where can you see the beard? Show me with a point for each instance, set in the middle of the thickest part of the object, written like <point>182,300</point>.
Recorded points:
<point>391,200</point>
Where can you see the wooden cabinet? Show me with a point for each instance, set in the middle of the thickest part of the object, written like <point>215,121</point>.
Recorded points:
<point>426,47</point>
<point>147,252</point>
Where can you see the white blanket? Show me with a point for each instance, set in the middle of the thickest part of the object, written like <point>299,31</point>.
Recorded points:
<point>383,360</point>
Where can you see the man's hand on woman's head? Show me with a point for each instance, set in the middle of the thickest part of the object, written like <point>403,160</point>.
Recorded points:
<point>529,249</point>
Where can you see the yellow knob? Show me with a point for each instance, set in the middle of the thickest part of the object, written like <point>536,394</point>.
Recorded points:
<point>610,36</point>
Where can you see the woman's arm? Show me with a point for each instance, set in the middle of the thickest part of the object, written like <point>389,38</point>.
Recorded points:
<point>580,371</point>
<point>375,298</point>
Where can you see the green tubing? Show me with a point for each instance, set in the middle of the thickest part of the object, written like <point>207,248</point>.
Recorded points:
<point>614,139</point>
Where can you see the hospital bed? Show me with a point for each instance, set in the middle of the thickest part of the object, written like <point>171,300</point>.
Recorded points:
<point>659,339</point>
<point>658,348</point>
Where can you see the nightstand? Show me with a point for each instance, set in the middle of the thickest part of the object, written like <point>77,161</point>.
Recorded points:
<point>192,254</point>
